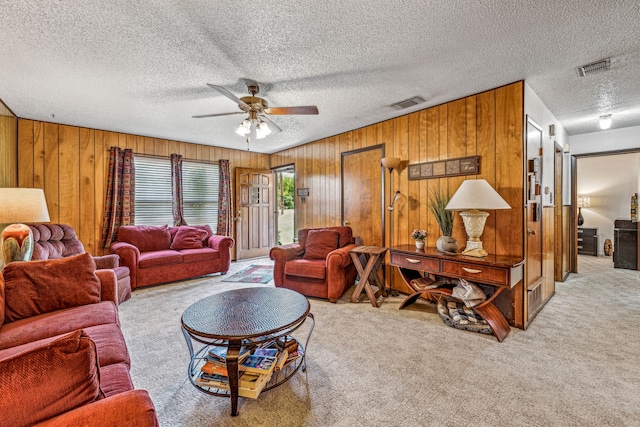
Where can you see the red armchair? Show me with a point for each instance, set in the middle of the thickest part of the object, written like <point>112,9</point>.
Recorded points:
<point>55,241</point>
<point>319,265</point>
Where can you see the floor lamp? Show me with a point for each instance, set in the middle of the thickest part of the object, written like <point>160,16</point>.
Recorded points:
<point>391,163</point>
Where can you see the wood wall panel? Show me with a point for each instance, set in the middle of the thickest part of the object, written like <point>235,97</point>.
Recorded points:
<point>489,124</point>
<point>71,164</point>
<point>548,254</point>
<point>8,148</point>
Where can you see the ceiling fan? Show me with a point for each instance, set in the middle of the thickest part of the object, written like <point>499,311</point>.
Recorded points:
<point>257,109</point>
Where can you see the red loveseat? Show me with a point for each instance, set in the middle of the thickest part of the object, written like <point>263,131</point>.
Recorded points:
<point>63,358</point>
<point>54,241</point>
<point>319,265</point>
<point>160,254</point>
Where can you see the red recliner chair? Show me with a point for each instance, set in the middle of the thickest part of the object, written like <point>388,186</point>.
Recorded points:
<point>318,265</point>
<point>53,241</point>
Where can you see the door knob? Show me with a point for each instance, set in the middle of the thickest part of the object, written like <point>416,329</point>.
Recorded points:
<point>531,232</point>
<point>345,223</point>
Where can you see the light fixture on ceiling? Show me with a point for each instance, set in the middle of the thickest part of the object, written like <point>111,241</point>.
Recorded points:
<point>244,128</point>
<point>605,121</point>
<point>262,129</point>
<point>253,122</point>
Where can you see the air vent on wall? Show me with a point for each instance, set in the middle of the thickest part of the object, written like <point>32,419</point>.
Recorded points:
<point>408,103</point>
<point>595,67</point>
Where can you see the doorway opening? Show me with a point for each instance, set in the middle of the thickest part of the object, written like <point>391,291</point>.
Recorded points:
<point>285,205</point>
<point>604,186</point>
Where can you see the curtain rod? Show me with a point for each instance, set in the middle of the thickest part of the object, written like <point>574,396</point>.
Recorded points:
<point>157,156</point>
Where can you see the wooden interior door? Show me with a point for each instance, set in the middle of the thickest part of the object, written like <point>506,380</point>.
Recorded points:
<point>534,242</point>
<point>362,194</point>
<point>254,213</point>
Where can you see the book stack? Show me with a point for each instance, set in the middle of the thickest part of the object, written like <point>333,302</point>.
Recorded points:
<point>289,347</point>
<point>254,369</point>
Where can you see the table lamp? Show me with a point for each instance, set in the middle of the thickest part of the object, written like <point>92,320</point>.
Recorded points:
<point>473,195</point>
<point>20,205</point>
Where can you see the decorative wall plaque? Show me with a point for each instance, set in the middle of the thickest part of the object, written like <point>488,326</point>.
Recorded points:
<point>445,168</point>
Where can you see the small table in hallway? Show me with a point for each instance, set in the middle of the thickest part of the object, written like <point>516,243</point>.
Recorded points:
<point>369,273</point>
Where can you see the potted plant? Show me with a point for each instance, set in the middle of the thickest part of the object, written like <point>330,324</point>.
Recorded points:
<point>419,236</point>
<point>437,204</point>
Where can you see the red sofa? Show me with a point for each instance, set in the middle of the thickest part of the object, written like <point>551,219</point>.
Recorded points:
<point>63,358</point>
<point>318,265</point>
<point>161,254</point>
<point>54,241</point>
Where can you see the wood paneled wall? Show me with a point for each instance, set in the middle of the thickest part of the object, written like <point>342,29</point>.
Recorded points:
<point>488,124</point>
<point>8,148</point>
<point>70,163</point>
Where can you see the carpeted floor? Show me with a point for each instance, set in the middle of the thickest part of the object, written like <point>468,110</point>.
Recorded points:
<point>576,365</point>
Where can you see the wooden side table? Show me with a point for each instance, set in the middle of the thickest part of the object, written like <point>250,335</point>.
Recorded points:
<point>369,273</point>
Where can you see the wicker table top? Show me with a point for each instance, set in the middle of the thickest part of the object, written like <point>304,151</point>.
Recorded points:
<point>245,313</point>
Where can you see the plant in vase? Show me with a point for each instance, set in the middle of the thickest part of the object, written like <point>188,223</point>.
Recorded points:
<point>419,236</point>
<point>437,204</point>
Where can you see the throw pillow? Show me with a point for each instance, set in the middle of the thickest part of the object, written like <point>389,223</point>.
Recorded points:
<point>46,381</point>
<point>319,243</point>
<point>146,238</point>
<point>188,238</point>
<point>37,287</point>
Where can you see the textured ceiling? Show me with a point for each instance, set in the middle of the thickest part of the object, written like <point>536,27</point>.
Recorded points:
<point>141,67</point>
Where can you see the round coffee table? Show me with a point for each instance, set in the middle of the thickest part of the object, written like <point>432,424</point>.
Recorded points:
<point>247,317</point>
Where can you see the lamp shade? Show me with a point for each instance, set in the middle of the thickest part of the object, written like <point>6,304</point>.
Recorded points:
<point>23,205</point>
<point>476,194</point>
<point>390,162</point>
<point>584,201</point>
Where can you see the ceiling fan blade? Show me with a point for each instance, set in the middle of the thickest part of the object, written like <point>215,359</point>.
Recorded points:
<point>216,115</point>
<point>229,95</point>
<point>274,127</point>
<point>306,109</point>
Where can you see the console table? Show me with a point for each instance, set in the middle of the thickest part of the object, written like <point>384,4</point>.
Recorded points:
<point>500,272</point>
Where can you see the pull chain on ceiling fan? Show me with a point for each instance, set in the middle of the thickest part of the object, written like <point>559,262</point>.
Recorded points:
<point>257,109</point>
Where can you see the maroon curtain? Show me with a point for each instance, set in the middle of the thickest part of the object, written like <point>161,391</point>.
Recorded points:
<point>176,190</point>
<point>225,205</point>
<point>119,206</point>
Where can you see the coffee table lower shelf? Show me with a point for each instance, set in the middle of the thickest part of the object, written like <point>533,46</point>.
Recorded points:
<point>277,378</point>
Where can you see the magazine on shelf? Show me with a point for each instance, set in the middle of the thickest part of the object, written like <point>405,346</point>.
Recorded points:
<point>258,364</point>
<point>281,360</point>
<point>220,353</point>
<point>269,352</point>
<point>214,368</point>
<point>252,389</point>
<point>213,381</point>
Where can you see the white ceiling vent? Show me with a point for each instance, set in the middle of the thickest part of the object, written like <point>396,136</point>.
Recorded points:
<point>408,103</point>
<point>595,67</point>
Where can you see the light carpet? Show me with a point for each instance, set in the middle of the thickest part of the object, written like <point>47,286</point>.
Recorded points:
<point>576,365</point>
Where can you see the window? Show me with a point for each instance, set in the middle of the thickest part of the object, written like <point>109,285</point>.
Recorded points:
<point>153,191</point>
<point>200,187</point>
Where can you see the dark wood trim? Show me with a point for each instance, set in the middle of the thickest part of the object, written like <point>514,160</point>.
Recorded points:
<point>573,226</point>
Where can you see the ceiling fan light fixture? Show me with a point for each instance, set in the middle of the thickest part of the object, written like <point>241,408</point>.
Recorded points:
<point>244,128</point>
<point>264,128</point>
<point>605,121</point>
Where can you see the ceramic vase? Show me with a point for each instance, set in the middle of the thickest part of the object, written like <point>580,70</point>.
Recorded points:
<point>447,244</point>
<point>420,244</point>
